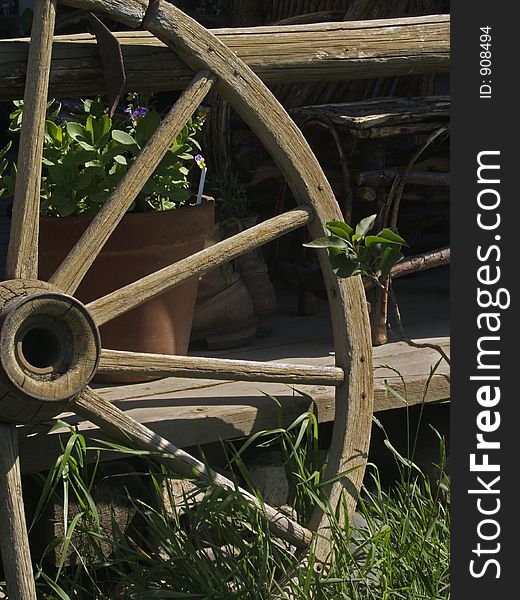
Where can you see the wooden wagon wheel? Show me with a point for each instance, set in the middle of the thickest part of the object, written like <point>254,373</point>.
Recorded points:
<point>50,346</point>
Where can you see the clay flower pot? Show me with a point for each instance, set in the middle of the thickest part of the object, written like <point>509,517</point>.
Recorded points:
<point>141,244</point>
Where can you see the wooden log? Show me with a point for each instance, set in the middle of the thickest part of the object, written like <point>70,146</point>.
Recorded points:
<point>384,116</point>
<point>22,254</point>
<point>318,52</point>
<point>387,176</point>
<point>422,262</point>
<point>115,422</point>
<point>119,362</point>
<point>71,272</point>
<point>416,264</point>
<point>14,543</point>
<point>130,296</point>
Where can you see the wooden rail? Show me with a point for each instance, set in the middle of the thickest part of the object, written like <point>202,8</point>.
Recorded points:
<point>278,54</point>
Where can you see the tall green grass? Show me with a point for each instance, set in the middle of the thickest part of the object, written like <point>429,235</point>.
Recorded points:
<point>219,548</point>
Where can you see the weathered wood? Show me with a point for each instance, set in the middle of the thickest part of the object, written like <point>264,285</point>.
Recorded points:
<point>353,398</point>
<point>384,115</point>
<point>130,296</point>
<point>387,176</point>
<point>71,272</point>
<point>421,262</point>
<point>93,407</point>
<point>289,149</point>
<point>14,544</point>
<point>195,411</point>
<point>129,12</point>
<point>49,348</point>
<point>319,52</point>
<point>22,254</point>
<point>119,362</point>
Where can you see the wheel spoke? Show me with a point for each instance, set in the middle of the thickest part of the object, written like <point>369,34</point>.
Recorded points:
<point>157,365</point>
<point>115,304</point>
<point>22,255</point>
<point>116,423</point>
<point>16,555</point>
<point>71,272</point>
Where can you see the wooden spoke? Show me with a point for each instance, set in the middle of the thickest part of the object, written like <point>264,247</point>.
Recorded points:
<point>16,555</point>
<point>70,273</point>
<point>22,255</point>
<point>128,297</point>
<point>157,365</point>
<point>116,423</point>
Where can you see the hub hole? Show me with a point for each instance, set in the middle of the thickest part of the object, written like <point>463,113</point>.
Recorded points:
<point>42,349</point>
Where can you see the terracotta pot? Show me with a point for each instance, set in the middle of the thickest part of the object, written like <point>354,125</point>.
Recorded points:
<point>141,244</point>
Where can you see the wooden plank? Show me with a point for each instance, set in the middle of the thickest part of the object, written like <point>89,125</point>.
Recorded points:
<point>202,411</point>
<point>283,54</point>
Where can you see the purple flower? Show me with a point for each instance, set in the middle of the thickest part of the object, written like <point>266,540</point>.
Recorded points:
<point>137,113</point>
<point>199,159</point>
<point>204,110</point>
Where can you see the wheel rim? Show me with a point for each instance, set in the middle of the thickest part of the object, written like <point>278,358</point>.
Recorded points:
<point>260,110</point>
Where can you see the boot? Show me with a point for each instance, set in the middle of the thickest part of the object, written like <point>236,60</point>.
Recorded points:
<point>253,272</point>
<point>224,313</point>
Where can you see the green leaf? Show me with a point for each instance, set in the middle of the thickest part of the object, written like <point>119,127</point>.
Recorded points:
<point>68,208</point>
<point>366,225</point>
<point>390,258</point>
<point>344,266</point>
<point>120,159</point>
<point>53,133</point>
<point>6,149</point>
<point>86,146</point>
<point>61,175</point>
<point>76,131</point>
<point>146,127</point>
<point>80,157</point>
<point>330,241</point>
<point>340,229</point>
<point>121,137</point>
<point>390,235</point>
<point>100,197</point>
<point>84,179</point>
<point>370,240</point>
<point>100,129</point>
<point>181,195</point>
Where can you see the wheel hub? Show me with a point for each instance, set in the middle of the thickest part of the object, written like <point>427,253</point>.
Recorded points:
<point>50,349</point>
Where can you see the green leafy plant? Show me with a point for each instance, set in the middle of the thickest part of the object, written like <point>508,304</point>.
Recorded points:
<point>85,159</point>
<point>355,252</point>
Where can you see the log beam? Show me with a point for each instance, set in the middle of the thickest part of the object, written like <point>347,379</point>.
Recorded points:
<point>278,54</point>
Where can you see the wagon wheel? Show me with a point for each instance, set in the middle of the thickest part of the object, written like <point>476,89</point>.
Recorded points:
<point>50,345</point>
